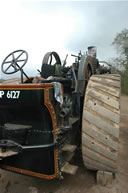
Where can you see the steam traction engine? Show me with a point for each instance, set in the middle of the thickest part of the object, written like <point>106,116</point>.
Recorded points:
<point>44,119</point>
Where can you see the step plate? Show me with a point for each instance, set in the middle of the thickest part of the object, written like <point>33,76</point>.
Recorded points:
<point>69,148</point>
<point>7,153</point>
<point>70,169</point>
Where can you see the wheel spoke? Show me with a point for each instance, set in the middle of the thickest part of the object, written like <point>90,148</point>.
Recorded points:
<point>7,62</point>
<point>9,67</point>
<point>13,58</point>
<point>19,55</point>
<point>20,60</point>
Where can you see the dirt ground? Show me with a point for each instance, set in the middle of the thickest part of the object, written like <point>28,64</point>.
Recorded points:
<point>83,181</point>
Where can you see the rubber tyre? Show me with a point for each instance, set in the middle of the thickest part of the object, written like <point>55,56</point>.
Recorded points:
<point>100,123</point>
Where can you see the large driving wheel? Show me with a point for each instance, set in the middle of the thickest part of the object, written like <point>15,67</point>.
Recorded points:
<point>100,123</point>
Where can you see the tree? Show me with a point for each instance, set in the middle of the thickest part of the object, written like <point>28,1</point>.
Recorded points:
<point>120,63</point>
<point>121,44</point>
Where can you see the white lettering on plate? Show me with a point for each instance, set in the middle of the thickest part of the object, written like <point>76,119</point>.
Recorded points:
<point>1,93</point>
<point>13,94</point>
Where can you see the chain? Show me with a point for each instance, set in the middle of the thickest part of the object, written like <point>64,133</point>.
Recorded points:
<point>40,131</point>
<point>45,132</point>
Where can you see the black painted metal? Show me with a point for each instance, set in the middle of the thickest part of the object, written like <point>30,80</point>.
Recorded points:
<point>27,122</point>
<point>26,125</point>
<point>48,68</point>
<point>12,145</point>
<point>38,146</point>
<point>81,75</point>
<point>14,61</point>
<point>105,67</point>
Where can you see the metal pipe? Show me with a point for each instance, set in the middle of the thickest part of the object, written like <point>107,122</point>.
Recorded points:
<point>38,146</point>
<point>76,81</point>
<point>64,112</point>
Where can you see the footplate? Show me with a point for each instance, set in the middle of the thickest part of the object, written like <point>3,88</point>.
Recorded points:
<point>7,153</point>
<point>9,148</point>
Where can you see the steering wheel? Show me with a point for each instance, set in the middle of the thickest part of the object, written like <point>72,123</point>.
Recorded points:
<point>14,62</point>
<point>48,65</point>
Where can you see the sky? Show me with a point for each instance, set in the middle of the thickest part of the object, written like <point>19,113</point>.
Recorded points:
<point>62,26</point>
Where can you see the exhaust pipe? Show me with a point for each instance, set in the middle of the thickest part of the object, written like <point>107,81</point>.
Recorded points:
<point>64,112</point>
